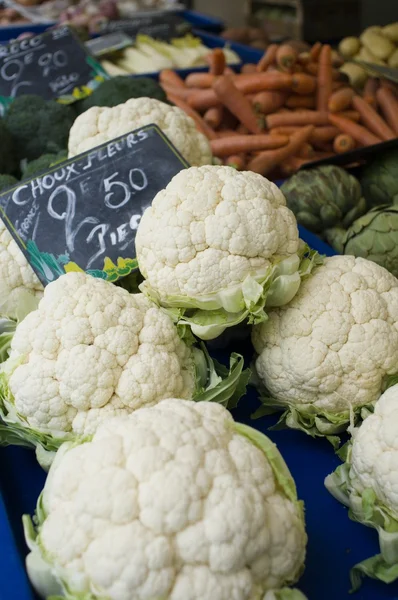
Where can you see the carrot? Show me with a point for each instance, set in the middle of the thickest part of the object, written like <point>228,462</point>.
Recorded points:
<point>352,115</point>
<point>372,120</point>
<point>319,134</point>
<point>242,130</point>
<point>309,117</point>
<point>389,106</point>
<point>322,147</point>
<point>286,57</point>
<point>304,58</point>
<point>341,99</point>
<point>296,101</point>
<point>312,68</point>
<point>359,133</point>
<point>306,151</point>
<point>303,84</point>
<point>370,89</point>
<point>180,92</point>
<point>225,133</point>
<point>259,82</point>
<point>324,81</point>
<point>249,68</point>
<point>229,71</point>
<point>315,51</point>
<point>343,143</point>
<point>391,85</point>
<point>200,80</point>
<point>267,58</point>
<point>217,62</point>
<point>247,143</point>
<point>237,161</point>
<point>200,123</point>
<point>266,161</point>
<point>170,77</point>
<point>236,102</point>
<point>268,102</point>
<point>201,100</point>
<point>293,164</point>
<point>213,116</point>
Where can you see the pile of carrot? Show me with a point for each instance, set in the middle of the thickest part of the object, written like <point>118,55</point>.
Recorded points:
<point>289,109</point>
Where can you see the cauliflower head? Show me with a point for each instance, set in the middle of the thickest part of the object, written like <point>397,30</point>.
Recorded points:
<point>366,483</point>
<point>215,239</point>
<point>89,352</point>
<point>175,502</point>
<point>101,124</point>
<point>20,288</point>
<point>330,351</point>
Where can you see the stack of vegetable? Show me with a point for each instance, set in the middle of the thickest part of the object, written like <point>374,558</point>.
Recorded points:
<point>377,45</point>
<point>149,55</point>
<point>289,109</point>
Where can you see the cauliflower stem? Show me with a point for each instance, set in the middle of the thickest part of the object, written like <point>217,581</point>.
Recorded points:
<point>365,508</point>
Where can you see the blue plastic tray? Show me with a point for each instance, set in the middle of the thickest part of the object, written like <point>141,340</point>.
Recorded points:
<point>335,542</point>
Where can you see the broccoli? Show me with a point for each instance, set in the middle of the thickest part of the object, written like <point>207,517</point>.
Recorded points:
<point>120,89</point>
<point>7,181</point>
<point>8,157</point>
<point>37,126</point>
<point>43,163</point>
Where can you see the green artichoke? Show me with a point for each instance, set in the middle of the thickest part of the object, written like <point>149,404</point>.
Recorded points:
<point>373,236</point>
<point>324,197</point>
<point>379,179</point>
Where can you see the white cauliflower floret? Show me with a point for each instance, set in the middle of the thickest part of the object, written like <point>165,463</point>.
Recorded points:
<point>173,502</point>
<point>211,239</point>
<point>92,351</point>
<point>19,286</point>
<point>367,483</point>
<point>330,350</point>
<point>101,124</point>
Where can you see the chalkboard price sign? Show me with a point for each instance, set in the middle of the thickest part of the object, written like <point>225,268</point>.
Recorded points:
<point>83,214</point>
<point>51,65</point>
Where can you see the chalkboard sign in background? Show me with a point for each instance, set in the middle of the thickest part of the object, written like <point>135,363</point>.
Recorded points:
<point>163,27</point>
<point>83,214</point>
<point>51,65</point>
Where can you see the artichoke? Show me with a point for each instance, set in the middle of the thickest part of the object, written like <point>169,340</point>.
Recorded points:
<point>373,236</point>
<point>323,198</point>
<point>379,179</point>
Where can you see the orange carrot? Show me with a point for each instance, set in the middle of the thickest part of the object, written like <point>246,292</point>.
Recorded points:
<point>391,85</point>
<point>359,133</point>
<point>293,164</point>
<point>312,68</point>
<point>242,129</point>
<point>352,115</point>
<point>237,161</point>
<point>181,92</point>
<point>319,134</point>
<point>248,68</point>
<point>259,82</point>
<point>267,58</point>
<point>324,90</point>
<point>170,77</point>
<point>213,116</point>
<point>201,100</point>
<point>200,80</point>
<point>370,89</point>
<point>225,133</point>
<point>229,71</point>
<point>309,117</point>
<point>200,123</point>
<point>372,120</point>
<point>343,143</point>
<point>268,102</point>
<point>296,101</point>
<point>315,51</point>
<point>389,106</point>
<point>236,102</point>
<point>303,84</point>
<point>217,62</point>
<point>247,143</point>
<point>266,161</point>
<point>341,99</point>
<point>306,151</point>
<point>286,57</point>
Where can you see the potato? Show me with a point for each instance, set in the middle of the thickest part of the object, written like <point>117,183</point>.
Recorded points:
<point>391,32</point>
<point>349,46</point>
<point>367,56</point>
<point>356,74</point>
<point>378,45</point>
<point>393,60</point>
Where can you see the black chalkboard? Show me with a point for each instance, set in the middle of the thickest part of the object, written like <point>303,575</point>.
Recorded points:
<point>83,213</point>
<point>52,65</point>
<point>163,27</point>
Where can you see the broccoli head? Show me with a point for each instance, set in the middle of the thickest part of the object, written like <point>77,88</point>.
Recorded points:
<point>43,163</point>
<point>8,157</point>
<point>38,126</point>
<point>120,89</point>
<point>7,181</point>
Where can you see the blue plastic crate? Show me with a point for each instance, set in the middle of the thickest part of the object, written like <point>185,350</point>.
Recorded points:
<point>202,21</point>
